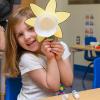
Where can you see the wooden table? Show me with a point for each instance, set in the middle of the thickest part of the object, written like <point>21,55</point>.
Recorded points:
<point>84,47</point>
<point>92,94</point>
<point>78,48</point>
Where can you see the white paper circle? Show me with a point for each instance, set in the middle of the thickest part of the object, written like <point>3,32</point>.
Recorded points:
<point>45,25</point>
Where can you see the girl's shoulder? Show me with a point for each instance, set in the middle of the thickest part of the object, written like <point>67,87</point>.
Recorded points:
<point>29,62</point>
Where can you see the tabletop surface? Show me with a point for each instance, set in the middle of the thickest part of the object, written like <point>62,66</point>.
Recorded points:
<point>84,47</point>
<point>92,94</point>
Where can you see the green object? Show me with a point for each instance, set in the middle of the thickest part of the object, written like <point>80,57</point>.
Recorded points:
<point>61,90</point>
<point>53,37</point>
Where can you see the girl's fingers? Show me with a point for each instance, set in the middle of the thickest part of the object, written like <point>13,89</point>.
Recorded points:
<point>47,47</point>
<point>48,40</point>
<point>56,50</point>
<point>58,46</point>
<point>55,46</point>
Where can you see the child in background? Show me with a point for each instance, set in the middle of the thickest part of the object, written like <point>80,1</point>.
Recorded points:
<point>43,65</point>
<point>2,38</point>
<point>2,47</point>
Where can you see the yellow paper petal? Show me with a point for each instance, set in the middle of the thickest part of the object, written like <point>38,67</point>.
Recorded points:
<point>62,16</point>
<point>58,33</point>
<point>36,9</point>
<point>50,9</point>
<point>40,38</point>
<point>30,21</point>
<point>51,6</point>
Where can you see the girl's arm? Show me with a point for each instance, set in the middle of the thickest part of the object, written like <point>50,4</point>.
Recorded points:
<point>48,79</point>
<point>65,69</point>
<point>66,73</point>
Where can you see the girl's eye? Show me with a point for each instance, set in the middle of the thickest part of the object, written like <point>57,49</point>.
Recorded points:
<point>20,34</point>
<point>31,29</point>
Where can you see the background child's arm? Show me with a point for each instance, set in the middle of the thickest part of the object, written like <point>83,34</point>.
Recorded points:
<point>2,38</point>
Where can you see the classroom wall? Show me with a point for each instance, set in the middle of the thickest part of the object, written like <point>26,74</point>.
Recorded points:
<point>75,24</point>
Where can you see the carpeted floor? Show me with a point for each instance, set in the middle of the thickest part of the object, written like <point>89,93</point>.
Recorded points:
<point>77,83</point>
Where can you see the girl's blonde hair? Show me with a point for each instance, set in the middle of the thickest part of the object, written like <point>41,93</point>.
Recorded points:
<point>13,50</point>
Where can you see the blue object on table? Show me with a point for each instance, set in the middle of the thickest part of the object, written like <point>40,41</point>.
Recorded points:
<point>88,55</point>
<point>96,80</point>
<point>13,86</point>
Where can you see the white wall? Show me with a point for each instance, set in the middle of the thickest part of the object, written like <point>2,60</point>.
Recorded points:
<point>75,24</point>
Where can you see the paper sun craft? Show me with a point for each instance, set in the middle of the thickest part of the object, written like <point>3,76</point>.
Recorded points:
<point>46,21</point>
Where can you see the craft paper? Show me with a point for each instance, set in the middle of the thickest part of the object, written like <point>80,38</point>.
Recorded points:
<point>46,23</point>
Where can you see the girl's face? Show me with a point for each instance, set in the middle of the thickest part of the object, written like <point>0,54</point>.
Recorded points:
<point>26,37</point>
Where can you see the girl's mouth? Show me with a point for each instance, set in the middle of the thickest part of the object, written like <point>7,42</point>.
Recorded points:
<point>31,43</point>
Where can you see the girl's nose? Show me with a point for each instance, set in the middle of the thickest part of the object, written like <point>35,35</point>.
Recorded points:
<point>27,35</point>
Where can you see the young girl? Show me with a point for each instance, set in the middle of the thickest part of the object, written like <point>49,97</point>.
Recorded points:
<point>43,66</point>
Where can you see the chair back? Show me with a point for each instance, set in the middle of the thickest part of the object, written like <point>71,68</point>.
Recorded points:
<point>13,87</point>
<point>87,53</point>
<point>96,80</point>
<point>89,39</point>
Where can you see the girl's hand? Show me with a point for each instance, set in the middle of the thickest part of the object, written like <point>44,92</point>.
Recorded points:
<point>46,49</point>
<point>58,49</point>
